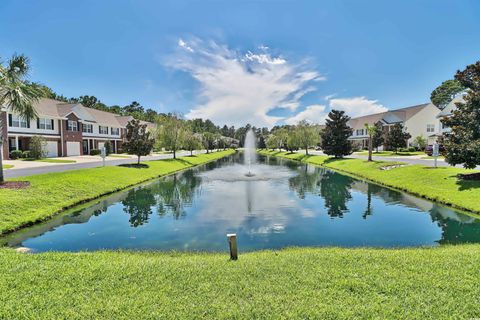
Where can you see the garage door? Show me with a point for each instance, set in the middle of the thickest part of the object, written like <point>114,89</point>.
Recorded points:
<point>52,149</point>
<point>73,148</point>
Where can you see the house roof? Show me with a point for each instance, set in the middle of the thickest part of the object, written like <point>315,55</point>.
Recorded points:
<point>388,117</point>
<point>448,110</point>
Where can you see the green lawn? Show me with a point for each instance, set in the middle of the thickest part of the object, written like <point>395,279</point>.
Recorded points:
<point>391,153</point>
<point>53,192</point>
<point>299,283</point>
<point>438,184</point>
<point>119,156</point>
<point>7,166</point>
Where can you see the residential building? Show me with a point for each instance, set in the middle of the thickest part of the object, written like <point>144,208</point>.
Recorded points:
<point>447,112</point>
<point>70,129</point>
<point>419,120</point>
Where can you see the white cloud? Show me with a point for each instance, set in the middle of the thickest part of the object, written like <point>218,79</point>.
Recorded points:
<point>357,106</point>
<point>238,88</point>
<point>314,114</point>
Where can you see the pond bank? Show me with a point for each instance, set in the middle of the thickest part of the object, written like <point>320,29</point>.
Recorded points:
<point>436,184</point>
<point>51,193</point>
<point>297,283</point>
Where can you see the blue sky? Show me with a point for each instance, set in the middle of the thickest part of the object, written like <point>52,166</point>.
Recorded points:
<point>263,62</point>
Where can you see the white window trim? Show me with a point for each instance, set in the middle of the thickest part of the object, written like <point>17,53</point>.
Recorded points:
<point>45,124</point>
<point>100,131</point>
<point>18,122</point>
<point>71,124</point>
<point>87,128</point>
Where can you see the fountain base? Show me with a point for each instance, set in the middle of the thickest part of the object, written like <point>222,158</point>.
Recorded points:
<point>249,174</point>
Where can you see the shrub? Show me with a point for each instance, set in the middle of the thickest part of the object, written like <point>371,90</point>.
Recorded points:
<point>95,152</point>
<point>412,149</point>
<point>27,154</point>
<point>16,154</point>
<point>37,148</point>
<point>108,147</point>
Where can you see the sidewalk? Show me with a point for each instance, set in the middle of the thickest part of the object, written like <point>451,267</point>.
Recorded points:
<point>27,168</point>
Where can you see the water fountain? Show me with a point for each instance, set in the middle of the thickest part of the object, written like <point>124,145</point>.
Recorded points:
<point>250,152</point>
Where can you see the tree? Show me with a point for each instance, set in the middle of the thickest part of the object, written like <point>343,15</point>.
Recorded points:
<point>38,147</point>
<point>308,135</point>
<point>171,133</point>
<point>378,137</point>
<point>371,132</point>
<point>419,142</point>
<point>397,138</point>
<point>16,94</point>
<point>208,140</point>
<point>336,133</point>
<point>271,142</point>
<point>191,142</point>
<point>108,147</point>
<point>444,93</point>
<point>138,141</point>
<point>462,143</point>
<point>293,141</point>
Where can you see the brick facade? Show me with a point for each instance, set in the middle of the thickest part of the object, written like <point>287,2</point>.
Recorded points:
<point>71,136</point>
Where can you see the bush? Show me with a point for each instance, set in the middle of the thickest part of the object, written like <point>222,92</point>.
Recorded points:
<point>95,152</point>
<point>412,149</point>
<point>27,154</point>
<point>108,147</point>
<point>38,147</point>
<point>16,154</point>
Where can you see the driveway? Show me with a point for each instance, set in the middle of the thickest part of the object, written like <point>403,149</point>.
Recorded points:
<point>28,168</point>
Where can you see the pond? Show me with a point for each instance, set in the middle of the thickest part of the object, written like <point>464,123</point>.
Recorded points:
<point>285,204</point>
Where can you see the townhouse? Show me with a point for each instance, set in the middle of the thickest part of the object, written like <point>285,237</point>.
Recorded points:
<point>419,120</point>
<point>447,112</point>
<point>70,129</point>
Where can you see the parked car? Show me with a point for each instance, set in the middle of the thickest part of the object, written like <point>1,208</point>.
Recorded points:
<point>429,149</point>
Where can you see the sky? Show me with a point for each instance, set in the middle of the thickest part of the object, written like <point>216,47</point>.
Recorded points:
<point>237,62</point>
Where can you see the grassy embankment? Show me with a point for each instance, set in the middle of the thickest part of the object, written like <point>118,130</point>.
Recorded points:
<point>322,283</point>
<point>7,166</point>
<point>438,184</point>
<point>51,193</point>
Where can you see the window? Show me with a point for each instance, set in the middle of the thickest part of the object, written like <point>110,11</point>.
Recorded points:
<point>103,130</point>
<point>72,125</point>
<point>17,122</point>
<point>87,128</point>
<point>444,126</point>
<point>45,124</point>
<point>430,128</point>
<point>359,132</point>
<point>115,131</point>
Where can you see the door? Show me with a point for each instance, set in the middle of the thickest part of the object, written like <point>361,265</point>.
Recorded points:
<point>73,149</point>
<point>52,149</point>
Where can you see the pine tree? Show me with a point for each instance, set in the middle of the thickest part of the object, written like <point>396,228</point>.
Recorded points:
<point>335,136</point>
<point>397,138</point>
<point>463,142</point>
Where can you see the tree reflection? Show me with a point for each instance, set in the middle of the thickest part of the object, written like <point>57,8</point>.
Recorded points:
<point>138,204</point>
<point>176,192</point>
<point>334,188</point>
<point>456,227</point>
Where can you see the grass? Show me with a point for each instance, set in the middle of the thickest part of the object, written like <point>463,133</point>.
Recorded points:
<point>51,160</point>
<point>119,156</point>
<point>297,283</point>
<point>437,184</point>
<point>391,153</point>
<point>7,166</point>
<point>51,193</point>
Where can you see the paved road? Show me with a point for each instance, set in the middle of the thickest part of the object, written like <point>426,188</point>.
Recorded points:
<point>406,159</point>
<point>12,173</point>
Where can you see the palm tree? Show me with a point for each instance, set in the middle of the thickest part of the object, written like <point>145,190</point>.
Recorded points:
<point>371,132</point>
<point>16,94</point>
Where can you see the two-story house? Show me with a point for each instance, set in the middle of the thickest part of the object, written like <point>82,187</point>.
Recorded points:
<point>70,129</point>
<point>419,120</point>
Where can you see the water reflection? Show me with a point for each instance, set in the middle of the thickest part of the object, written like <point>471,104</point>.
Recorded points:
<point>289,204</point>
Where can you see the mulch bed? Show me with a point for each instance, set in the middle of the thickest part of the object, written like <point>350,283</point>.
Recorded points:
<point>14,185</point>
